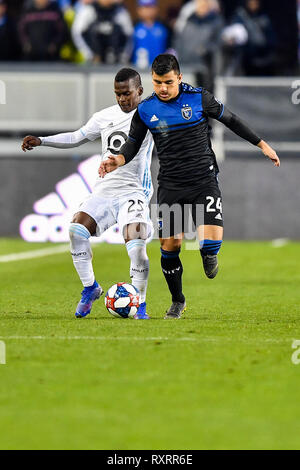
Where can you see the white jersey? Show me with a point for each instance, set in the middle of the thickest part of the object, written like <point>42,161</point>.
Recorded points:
<point>112,125</point>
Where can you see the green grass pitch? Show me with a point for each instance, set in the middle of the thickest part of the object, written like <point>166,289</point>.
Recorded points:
<point>220,378</point>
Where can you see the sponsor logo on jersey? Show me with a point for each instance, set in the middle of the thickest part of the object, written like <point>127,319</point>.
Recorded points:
<point>187,112</point>
<point>154,118</point>
<point>115,141</point>
<point>219,217</point>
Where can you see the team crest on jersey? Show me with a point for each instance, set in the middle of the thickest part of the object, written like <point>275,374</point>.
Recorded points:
<point>187,112</point>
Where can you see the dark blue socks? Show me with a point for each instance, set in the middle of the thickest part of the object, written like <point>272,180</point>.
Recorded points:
<point>172,269</point>
<point>210,247</point>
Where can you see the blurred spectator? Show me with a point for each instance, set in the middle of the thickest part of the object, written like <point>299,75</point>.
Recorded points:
<point>80,3</point>
<point>103,31</point>
<point>42,31</point>
<point>198,38</point>
<point>64,4</point>
<point>150,35</point>
<point>190,8</point>
<point>8,43</point>
<point>252,40</point>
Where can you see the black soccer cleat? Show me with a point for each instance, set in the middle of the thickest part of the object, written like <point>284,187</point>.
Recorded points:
<point>210,265</point>
<point>176,310</point>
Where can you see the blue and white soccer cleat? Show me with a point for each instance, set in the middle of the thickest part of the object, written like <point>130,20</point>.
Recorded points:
<point>89,295</point>
<point>141,313</point>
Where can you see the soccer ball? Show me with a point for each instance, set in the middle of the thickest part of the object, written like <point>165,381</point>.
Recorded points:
<point>122,300</point>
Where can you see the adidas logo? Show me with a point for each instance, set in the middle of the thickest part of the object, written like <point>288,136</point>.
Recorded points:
<point>219,217</point>
<point>154,118</point>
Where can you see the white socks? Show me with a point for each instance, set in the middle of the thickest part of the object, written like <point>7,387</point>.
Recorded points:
<point>139,268</point>
<point>81,253</point>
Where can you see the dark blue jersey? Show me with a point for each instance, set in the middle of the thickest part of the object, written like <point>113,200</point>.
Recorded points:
<point>181,133</point>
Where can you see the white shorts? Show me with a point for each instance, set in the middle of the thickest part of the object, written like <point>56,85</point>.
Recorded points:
<point>129,209</point>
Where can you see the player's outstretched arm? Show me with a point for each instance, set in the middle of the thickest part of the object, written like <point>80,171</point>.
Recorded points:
<point>269,152</point>
<point>216,110</point>
<point>241,129</point>
<point>112,163</point>
<point>29,142</point>
<point>89,132</point>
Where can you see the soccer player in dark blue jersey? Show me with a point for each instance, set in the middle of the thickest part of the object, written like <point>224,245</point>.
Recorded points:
<point>177,116</point>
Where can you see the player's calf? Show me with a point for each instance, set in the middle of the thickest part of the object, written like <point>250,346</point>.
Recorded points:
<point>172,269</point>
<point>81,253</point>
<point>139,272</point>
<point>82,258</point>
<point>209,250</point>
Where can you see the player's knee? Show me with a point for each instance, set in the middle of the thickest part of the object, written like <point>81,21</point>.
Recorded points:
<point>137,249</point>
<point>78,232</point>
<point>210,247</point>
<point>171,244</point>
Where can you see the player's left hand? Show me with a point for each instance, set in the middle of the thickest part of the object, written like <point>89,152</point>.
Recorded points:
<point>270,153</point>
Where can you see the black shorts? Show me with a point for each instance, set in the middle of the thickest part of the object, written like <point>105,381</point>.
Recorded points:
<point>204,203</point>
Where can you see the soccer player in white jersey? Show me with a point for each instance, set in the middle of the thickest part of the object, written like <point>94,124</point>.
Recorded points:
<point>123,197</point>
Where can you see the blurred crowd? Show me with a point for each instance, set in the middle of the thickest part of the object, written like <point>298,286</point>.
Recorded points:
<point>103,32</point>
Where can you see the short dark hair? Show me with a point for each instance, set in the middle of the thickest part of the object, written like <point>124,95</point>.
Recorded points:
<point>126,74</point>
<point>165,63</point>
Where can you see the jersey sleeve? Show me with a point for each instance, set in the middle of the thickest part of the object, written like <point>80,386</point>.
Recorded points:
<point>216,110</point>
<point>65,140</point>
<point>90,131</point>
<point>212,107</point>
<point>137,134</point>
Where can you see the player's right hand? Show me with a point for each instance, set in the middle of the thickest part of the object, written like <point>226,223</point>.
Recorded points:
<point>112,163</point>
<point>29,142</point>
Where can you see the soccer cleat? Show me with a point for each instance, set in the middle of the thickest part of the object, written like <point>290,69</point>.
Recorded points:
<point>89,295</point>
<point>141,313</point>
<point>176,310</point>
<point>210,265</point>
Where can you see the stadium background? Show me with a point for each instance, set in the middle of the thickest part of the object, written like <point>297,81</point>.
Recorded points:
<point>46,98</point>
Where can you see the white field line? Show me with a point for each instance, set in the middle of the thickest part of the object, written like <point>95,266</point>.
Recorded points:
<point>206,339</point>
<point>279,242</point>
<point>34,254</point>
